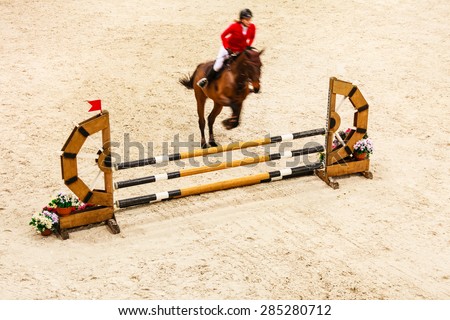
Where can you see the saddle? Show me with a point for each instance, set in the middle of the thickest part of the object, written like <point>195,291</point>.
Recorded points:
<point>226,64</point>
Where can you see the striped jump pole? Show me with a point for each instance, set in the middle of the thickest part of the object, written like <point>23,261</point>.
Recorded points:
<point>221,185</point>
<point>218,149</point>
<point>216,167</point>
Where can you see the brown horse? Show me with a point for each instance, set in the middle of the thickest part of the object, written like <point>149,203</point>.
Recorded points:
<point>230,88</point>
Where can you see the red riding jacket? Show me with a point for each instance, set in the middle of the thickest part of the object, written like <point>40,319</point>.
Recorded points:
<point>234,39</point>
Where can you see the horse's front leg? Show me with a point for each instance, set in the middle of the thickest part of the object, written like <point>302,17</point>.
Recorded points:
<point>211,118</point>
<point>233,121</point>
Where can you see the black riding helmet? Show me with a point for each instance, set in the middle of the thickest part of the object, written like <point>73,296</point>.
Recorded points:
<point>245,14</point>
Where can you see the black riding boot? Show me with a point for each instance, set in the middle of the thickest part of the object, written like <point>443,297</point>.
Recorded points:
<point>209,77</point>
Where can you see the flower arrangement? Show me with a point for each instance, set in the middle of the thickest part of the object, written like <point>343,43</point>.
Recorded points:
<point>364,145</point>
<point>64,200</point>
<point>45,220</point>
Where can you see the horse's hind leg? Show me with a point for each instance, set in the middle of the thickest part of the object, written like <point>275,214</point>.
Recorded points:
<point>211,118</point>
<point>201,99</point>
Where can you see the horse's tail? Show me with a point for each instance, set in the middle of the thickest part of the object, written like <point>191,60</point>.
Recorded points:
<point>188,81</point>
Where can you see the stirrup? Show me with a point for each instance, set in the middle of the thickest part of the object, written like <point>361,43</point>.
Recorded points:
<point>202,82</point>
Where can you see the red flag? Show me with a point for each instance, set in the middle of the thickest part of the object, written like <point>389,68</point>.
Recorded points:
<point>96,105</point>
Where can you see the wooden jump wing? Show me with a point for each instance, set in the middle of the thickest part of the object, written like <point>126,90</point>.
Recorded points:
<point>101,199</point>
<point>335,163</point>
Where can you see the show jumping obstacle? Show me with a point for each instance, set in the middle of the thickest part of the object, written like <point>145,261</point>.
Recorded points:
<point>337,162</point>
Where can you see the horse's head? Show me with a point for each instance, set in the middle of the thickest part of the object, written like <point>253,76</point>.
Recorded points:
<point>253,67</point>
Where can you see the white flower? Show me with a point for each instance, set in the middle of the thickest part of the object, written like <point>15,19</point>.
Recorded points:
<point>364,145</point>
<point>42,221</point>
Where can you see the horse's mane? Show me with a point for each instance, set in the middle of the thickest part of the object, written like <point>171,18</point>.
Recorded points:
<point>253,54</point>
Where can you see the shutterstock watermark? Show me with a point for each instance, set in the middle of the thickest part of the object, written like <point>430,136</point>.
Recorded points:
<point>121,152</point>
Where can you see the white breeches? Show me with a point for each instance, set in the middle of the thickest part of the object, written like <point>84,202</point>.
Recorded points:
<point>221,56</point>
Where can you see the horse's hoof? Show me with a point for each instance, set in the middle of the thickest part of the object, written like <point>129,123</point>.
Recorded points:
<point>226,124</point>
<point>205,146</point>
<point>230,123</point>
<point>213,144</point>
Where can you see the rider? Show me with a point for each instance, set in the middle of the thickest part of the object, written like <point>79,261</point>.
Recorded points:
<point>235,39</point>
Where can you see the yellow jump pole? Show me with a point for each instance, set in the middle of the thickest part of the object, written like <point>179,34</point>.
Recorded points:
<point>221,185</point>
